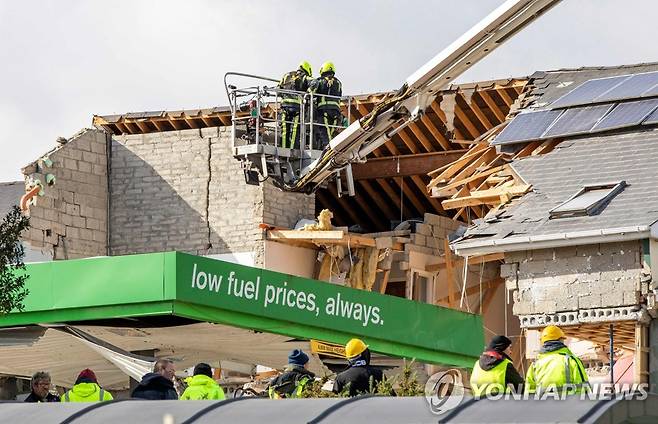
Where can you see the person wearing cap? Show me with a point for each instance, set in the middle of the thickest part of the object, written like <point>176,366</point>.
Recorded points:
<point>295,375</point>
<point>328,89</point>
<point>291,102</point>
<point>494,372</point>
<point>556,367</point>
<point>201,386</point>
<point>359,377</point>
<point>86,389</point>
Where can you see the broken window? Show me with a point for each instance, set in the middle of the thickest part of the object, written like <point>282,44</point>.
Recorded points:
<point>588,201</point>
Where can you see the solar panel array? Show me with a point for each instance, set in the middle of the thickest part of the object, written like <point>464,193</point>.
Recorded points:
<point>623,87</point>
<point>596,105</point>
<point>577,120</point>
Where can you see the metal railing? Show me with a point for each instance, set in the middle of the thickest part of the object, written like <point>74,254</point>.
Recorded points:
<point>256,115</point>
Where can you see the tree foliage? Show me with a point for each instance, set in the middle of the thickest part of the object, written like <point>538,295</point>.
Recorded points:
<point>12,283</point>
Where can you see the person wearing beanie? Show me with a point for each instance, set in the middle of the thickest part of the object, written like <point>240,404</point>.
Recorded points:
<point>291,382</point>
<point>201,386</point>
<point>494,372</point>
<point>556,367</point>
<point>86,389</point>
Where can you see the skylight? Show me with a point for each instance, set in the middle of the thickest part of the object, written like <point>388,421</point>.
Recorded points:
<point>588,201</point>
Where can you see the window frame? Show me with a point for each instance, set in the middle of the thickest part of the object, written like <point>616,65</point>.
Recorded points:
<point>614,188</point>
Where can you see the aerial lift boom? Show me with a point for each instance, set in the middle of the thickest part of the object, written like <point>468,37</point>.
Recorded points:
<point>393,114</point>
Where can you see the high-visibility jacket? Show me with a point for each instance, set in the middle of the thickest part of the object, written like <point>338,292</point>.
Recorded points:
<point>294,81</point>
<point>554,370</point>
<point>86,392</point>
<point>202,387</point>
<point>290,384</point>
<point>489,382</point>
<point>330,85</point>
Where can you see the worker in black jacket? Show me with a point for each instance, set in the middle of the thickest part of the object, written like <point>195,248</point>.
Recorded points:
<point>327,112</point>
<point>159,384</point>
<point>494,372</point>
<point>295,376</point>
<point>291,103</point>
<point>360,377</point>
<point>40,385</point>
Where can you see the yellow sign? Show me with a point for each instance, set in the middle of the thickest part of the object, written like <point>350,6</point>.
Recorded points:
<point>328,349</point>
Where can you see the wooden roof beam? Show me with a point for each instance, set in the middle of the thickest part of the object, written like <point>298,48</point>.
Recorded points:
<point>493,107</point>
<point>420,136</point>
<point>377,198</point>
<point>438,135</point>
<point>506,98</point>
<point>479,114</point>
<point>404,165</point>
<point>466,122</point>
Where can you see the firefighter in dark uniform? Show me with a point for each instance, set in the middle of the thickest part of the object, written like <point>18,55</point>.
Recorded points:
<point>327,114</point>
<point>291,104</point>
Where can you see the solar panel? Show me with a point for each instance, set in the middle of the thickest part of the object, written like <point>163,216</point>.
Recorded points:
<point>651,119</point>
<point>632,88</point>
<point>588,91</point>
<point>653,91</point>
<point>626,115</point>
<point>577,120</point>
<point>527,126</point>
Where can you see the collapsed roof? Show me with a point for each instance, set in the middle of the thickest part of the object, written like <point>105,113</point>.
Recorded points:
<point>585,186</point>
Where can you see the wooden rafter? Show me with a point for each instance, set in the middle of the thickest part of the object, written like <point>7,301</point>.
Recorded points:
<point>493,107</point>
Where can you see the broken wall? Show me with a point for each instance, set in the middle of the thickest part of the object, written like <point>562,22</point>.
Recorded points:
<point>70,219</point>
<point>183,190</point>
<point>577,279</point>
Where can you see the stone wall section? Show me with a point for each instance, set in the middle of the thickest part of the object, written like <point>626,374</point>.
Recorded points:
<point>184,190</point>
<point>550,281</point>
<point>70,220</point>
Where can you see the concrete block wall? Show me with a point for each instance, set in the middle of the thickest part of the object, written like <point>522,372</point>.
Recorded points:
<point>183,190</point>
<point>70,220</point>
<point>551,281</point>
<point>430,234</point>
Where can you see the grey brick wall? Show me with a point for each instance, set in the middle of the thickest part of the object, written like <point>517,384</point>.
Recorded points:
<point>183,190</point>
<point>574,278</point>
<point>70,219</point>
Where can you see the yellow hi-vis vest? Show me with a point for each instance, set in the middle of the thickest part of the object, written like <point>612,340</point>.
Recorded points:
<point>555,370</point>
<point>490,382</point>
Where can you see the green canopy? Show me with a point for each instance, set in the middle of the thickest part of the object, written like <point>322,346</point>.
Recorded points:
<point>203,289</point>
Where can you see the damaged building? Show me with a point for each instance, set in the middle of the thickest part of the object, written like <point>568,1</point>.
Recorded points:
<point>513,199</point>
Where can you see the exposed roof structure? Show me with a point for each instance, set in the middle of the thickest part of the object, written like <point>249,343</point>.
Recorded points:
<point>485,184</point>
<point>395,179</point>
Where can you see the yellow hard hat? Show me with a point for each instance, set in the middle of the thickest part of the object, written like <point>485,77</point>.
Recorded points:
<point>306,67</point>
<point>552,332</point>
<point>354,347</point>
<point>327,67</point>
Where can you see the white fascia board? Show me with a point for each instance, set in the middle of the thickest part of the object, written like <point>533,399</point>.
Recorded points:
<point>548,241</point>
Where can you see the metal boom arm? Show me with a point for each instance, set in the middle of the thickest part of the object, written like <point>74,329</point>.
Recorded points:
<point>392,115</point>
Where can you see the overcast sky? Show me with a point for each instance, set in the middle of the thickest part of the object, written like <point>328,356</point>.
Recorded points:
<point>63,61</point>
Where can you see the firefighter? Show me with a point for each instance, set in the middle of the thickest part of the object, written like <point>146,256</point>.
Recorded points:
<point>291,104</point>
<point>556,367</point>
<point>494,372</point>
<point>327,112</point>
<point>295,376</point>
<point>360,377</point>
